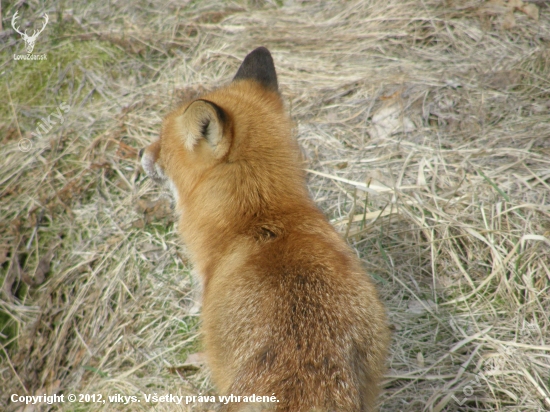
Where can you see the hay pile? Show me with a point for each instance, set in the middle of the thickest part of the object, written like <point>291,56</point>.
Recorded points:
<point>426,127</point>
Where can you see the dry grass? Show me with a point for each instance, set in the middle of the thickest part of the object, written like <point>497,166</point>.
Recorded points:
<point>427,130</point>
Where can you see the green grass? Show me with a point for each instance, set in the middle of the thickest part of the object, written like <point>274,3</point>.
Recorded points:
<point>48,83</point>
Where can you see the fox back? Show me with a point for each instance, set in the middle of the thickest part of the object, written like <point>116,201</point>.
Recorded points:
<point>288,310</point>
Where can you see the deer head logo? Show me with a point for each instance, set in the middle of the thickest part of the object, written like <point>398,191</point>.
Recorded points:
<point>29,40</point>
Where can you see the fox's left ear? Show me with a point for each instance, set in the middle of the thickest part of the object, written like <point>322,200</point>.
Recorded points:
<point>204,120</point>
<point>258,65</point>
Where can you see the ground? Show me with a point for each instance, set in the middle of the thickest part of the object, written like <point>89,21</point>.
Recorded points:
<point>426,128</point>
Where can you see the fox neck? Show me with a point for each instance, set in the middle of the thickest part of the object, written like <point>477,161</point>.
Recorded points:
<point>211,236</point>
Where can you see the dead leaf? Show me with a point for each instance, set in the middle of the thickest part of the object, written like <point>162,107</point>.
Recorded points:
<point>420,307</point>
<point>515,4</point>
<point>13,275</point>
<point>138,224</point>
<point>395,327</point>
<point>378,177</point>
<point>493,8</point>
<point>389,120</point>
<point>115,240</point>
<point>126,152</point>
<point>197,358</point>
<point>531,10</point>
<point>155,210</point>
<point>192,364</point>
<point>502,80</point>
<point>509,21</point>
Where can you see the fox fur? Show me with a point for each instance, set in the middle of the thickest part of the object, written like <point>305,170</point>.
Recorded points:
<point>288,309</point>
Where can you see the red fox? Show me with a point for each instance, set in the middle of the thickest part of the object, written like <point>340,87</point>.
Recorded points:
<point>288,311</point>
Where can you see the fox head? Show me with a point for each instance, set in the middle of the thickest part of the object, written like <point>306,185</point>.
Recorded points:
<point>231,150</point>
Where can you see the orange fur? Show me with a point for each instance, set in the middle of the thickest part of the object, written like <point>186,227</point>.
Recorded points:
<point>287,308</point>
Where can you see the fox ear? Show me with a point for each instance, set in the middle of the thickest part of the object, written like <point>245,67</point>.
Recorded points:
<point>258,65</point>
<point>205,120</point>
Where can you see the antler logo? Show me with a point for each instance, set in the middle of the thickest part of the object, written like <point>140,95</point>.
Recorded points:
<point>29,40</point>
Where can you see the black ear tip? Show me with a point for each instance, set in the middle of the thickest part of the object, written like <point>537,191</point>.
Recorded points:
<point>258,65</point>
<point>260,56</point>
<point>260,51</point>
